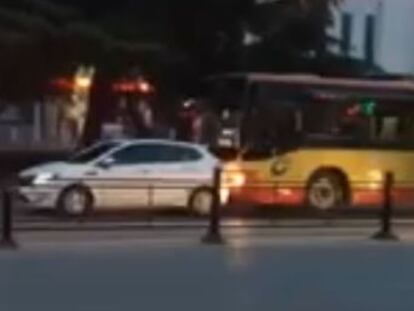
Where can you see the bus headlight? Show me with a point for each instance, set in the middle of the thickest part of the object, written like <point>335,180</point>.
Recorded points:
<point>233,179</point>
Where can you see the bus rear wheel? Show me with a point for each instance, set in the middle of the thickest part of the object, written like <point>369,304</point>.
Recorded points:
<point>326,191</point>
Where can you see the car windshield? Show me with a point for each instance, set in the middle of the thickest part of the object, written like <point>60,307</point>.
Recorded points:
<point>91,153</point>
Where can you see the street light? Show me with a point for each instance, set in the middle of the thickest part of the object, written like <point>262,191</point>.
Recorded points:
<point>83,78</point>
<point>83,82</point>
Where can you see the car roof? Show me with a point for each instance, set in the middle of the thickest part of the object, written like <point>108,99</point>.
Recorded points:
<point>127,141</point>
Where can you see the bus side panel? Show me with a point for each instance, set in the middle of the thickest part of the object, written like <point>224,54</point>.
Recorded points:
<point>401,164</point>
<point>284,179</point>
<point>365,171</point>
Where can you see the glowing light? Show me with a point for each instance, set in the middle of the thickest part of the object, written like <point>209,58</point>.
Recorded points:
<point>375,175</point>
<point>368,107</point>
<point>43,178</point>
<point>353,110</point>
<point>140,86</point>
<point>188,103</point>
<point>374,186</point>
<point>224,196</point>
<point>375,180</point>
<point>144,87</point>
<point>83,82</point>
<point>233,179</point>
<point>285,191</point>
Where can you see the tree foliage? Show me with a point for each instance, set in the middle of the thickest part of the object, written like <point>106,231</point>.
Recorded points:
<point>284,35</point>
<point>42,39</point>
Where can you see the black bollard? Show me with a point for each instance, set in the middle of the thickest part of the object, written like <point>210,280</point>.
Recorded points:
<point>7,241</point>
<point>386,232</point>
<point>213,235</point>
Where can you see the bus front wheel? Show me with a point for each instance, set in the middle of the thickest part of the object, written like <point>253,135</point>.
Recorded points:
<point>326,190</point>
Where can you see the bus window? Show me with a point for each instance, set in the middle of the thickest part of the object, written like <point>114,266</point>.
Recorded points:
<point>272,117</point>
<point>392,123</point>
<point>395,128</point>
<point>258,113</point>
<point>388,128</point>
<point>321,118</point>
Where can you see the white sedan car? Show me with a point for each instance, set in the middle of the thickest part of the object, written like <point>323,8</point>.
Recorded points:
<point>124,174</point>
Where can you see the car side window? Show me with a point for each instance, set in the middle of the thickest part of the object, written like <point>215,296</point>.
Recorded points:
<point>155,153</point>
<point>137,154</point>
<point>180,154</point>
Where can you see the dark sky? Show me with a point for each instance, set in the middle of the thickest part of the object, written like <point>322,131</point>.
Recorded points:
<point>104,7</point>
<point>97,6</point>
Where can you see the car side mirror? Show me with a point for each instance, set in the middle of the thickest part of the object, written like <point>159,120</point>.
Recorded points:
<point>106,163</point>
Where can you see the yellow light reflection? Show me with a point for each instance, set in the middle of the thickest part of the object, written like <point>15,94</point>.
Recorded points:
<point>83,82</point>
<point>285,192</point>
<point>375,175</point>
<point>238,255</point>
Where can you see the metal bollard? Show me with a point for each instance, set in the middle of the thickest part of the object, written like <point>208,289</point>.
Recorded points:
<point>386,232</point>
<point>151,196</point>
<point>213,235</point>
<point>7,241</point>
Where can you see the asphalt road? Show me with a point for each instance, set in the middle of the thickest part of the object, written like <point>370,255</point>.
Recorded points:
<point>283,269</point>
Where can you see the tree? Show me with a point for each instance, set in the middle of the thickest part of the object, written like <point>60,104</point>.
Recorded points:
<point>24,36</point>
<point>216,34</point>
<point>42,39</point>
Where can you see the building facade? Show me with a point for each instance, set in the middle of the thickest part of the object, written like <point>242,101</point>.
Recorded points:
<point>36,126</point>
<point>379,32</point>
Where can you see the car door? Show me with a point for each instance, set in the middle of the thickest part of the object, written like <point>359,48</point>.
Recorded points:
<point>124,179</point>
<point>175,176</point>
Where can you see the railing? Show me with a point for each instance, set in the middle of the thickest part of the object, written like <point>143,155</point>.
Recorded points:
<point>214,228</point>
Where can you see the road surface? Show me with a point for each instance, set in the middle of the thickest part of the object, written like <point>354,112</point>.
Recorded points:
<point>278,269</point>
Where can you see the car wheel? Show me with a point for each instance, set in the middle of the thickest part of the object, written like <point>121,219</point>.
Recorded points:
<point>326,191</point>
<point>75,201</point>
<point>201,201</point>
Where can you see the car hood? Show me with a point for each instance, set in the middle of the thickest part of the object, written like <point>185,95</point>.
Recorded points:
<point>51,167</point>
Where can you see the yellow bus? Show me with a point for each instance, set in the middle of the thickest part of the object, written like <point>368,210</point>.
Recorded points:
<point>319,141</point>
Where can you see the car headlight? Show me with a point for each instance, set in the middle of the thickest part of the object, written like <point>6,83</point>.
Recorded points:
<point>43,178</point>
